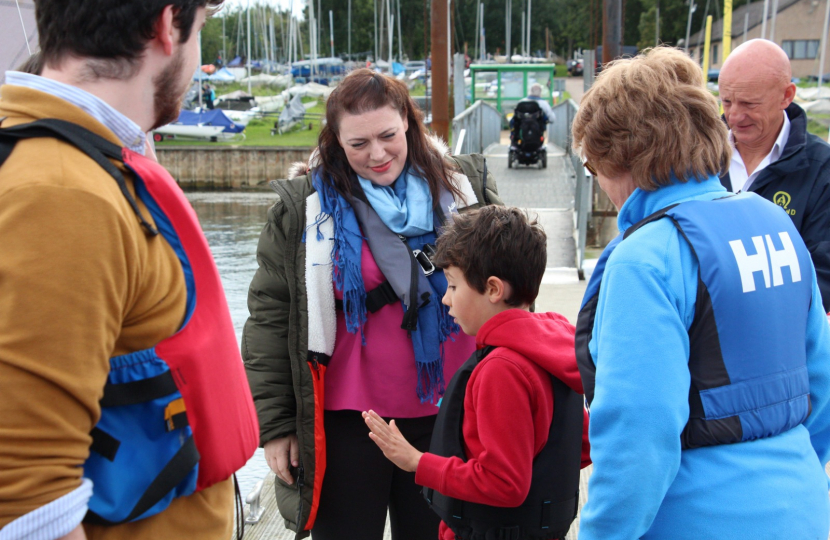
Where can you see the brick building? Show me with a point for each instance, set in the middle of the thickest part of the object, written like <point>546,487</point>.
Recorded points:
<point>798,27</point>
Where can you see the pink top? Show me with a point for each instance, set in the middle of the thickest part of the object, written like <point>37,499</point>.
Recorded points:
<point>382,375</point>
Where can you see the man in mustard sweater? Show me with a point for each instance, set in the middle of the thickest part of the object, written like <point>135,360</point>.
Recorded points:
<point>80,280</point>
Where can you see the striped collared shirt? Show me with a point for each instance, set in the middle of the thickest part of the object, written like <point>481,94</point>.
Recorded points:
<point>125,129</point>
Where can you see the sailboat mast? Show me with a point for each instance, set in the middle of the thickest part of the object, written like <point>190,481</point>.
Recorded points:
<point>249,46</point>
<point>400,46</point>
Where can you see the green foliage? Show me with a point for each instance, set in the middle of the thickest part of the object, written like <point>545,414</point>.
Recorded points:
<point>569,22</point>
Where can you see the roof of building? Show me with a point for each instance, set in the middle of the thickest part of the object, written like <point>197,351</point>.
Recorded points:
<point>756,14</point>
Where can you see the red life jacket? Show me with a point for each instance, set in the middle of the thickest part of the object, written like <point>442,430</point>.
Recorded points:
<point>178,417</point>
<point>203,355</point>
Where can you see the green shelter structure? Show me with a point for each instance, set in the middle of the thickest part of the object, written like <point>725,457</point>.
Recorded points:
<point>503,85</point>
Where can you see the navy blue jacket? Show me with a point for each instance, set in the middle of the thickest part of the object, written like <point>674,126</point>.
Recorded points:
<point>800,183</point>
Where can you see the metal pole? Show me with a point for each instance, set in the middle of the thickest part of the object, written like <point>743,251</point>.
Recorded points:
<point>224,44</point>
<point>400,41</point>
<point>318,31</point>
<point>482,49</point>
<point>249,46</point>
<point>612,25</point>
<point>440,86</point>
<point>746,25</point>
<point>375,6</point>
<point>508,8</point>
<point>727,29</point>
<point>331,32</point>
<point>522,35</point>
<point>528,29</point>
<point>201,109</point>
<point>458,83</point>
<point>692,8</point>
<point>477,54</point>
<point>764,20</point>
<point>823,45</point>
<point>774,13</point>
<point>350,31</point>
<point>706,46</point>
<point>390,31</point>
<point>657,26</point>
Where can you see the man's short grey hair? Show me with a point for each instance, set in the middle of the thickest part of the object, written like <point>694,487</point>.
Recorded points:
<point>536,90</point>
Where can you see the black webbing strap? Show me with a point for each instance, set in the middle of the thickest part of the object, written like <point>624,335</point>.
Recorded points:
<point>484,184</point>
<point>377,298</point>
<point>104,444</point>
<point>93,145</point>
<point>176,470</point>
<point>116,395</point>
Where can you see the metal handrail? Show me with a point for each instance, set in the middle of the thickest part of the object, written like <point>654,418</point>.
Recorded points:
<point>559,133</point>
<point>481,124</point>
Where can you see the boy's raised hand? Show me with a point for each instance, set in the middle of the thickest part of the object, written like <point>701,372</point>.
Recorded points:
<point>391,442</point>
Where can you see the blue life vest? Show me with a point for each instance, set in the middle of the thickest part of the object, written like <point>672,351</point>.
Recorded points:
<point>747,356</point>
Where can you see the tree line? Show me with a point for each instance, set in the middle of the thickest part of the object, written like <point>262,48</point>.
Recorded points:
<point>570,24</point>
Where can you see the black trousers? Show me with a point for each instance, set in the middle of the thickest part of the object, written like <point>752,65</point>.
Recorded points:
<point>361,484</point>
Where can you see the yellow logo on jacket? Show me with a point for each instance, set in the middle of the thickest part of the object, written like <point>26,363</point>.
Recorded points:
<point>783,199</point>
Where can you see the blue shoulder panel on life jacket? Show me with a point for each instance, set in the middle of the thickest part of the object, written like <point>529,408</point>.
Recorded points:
<point>169,233</point>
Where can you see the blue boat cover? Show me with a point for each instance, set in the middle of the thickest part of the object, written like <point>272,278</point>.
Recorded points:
<point>215,117</point>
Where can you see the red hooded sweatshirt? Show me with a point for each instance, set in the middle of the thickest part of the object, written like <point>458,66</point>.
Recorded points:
<point>508,409</point>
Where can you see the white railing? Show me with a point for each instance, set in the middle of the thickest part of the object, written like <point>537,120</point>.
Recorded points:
<point>481,125</point>
<point>559,133</point>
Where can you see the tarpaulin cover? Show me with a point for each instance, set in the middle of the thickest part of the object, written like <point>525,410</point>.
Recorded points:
<point>209,118</point>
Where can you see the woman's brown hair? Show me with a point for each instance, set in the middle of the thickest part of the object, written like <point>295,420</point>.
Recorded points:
<point>364,90</point>
<point>652,116</point>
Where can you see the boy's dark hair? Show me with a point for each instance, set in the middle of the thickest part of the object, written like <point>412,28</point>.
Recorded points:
<point>111,30</point>
<point>496,241</point>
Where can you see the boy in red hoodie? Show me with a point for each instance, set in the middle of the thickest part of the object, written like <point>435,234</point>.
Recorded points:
<point>512,432</point>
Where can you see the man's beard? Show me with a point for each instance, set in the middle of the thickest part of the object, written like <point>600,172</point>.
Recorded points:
<point>169,91</point>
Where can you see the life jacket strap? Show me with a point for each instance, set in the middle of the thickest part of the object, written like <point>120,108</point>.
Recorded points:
<point>93,145</point>
<point>377,298</point>
<point>141,391</point>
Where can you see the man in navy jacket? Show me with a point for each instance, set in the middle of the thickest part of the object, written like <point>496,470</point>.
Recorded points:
<point>773,155</point>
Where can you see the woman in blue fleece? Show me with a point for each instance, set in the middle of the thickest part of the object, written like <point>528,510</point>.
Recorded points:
<point>702,342</point>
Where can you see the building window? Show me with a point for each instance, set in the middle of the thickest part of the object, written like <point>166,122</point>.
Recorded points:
<point>801,49</point>
<point>714,59</point>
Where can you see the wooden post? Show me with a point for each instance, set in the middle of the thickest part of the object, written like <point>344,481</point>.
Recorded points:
<point>440,86</point>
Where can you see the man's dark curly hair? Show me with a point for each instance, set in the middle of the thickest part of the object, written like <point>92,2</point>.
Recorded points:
<point>115,31</point>
<point>496,241</point>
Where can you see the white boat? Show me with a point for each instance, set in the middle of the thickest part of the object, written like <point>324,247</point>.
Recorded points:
<point>210,133</point>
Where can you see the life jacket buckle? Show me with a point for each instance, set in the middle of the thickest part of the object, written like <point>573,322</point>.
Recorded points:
<point>423,259</point>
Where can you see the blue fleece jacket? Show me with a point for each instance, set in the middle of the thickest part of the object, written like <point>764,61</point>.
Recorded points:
<point>643,485</point>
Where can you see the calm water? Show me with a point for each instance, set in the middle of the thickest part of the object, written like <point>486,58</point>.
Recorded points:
<point>232,222</point>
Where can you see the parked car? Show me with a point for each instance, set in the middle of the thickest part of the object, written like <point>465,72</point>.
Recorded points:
<point>575,67</point>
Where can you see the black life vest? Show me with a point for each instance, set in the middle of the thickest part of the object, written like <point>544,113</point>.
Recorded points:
<point>551,504</point>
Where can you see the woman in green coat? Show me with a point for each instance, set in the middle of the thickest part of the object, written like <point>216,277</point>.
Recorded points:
<point>346,312</point>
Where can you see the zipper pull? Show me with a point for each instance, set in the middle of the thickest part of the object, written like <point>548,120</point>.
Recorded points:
<point>315,365</point>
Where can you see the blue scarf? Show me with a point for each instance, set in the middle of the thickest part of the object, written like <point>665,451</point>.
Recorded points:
<point>405,206</point>
<point>435,325</point>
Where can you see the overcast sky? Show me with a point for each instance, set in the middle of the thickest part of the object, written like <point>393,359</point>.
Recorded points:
<point>282,4</point>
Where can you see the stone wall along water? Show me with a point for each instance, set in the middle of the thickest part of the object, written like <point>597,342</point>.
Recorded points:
<point>229,167</point>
